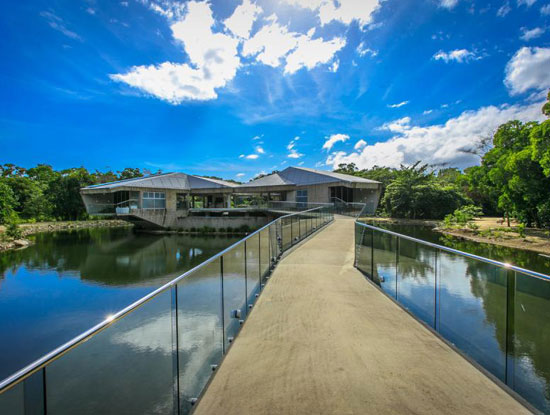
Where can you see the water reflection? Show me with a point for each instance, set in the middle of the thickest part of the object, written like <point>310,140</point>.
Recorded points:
<point>466,301</point>
<point>69,281</point>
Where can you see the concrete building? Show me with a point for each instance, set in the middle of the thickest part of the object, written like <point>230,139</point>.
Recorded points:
<point>179,200</point>
<point>303,185</point>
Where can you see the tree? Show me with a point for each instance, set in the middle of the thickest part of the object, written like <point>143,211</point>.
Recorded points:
<point>7,202</point>
<point>129,173</point>
<point>546,107</point>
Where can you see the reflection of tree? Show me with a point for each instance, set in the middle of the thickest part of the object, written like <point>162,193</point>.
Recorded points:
<point>115,256</point>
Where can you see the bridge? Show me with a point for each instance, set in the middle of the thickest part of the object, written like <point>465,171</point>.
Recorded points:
<point>302,321</point>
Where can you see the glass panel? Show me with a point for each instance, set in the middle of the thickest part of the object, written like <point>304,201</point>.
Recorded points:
<point>416,273</point>
<point>295,228</point>
<point>384,258</point>
<point>265,253</point>
<point>253,267</point>
<point>274,237</point>
<point>309,222</point>
<point>530,363</point>
<point>363,252</point>
<point>286,233</point>
<point>234,291</point>
<point>199,330</point>
<point>303,230</point>
<point>12,401</point>
<point>472,309</point>
<point>126,368</point>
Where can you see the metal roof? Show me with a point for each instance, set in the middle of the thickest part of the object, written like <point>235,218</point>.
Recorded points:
<point>301,176</point>
<point>178,181</point>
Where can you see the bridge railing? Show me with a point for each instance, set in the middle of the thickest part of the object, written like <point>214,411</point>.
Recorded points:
<point>158,354</point>
<point>491,311</point>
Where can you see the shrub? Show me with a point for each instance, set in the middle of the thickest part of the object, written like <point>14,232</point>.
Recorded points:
<point>521,230</point>
<point>13,230</point>
<point>462,217</point>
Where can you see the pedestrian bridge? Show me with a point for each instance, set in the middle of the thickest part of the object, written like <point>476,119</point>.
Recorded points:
<point>293,327</point>
<point>324,340</point>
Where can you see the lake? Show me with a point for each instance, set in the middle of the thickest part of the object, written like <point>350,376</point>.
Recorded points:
<point>69,281</point>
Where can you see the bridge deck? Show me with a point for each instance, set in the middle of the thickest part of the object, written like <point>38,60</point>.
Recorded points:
<point>323,340</point>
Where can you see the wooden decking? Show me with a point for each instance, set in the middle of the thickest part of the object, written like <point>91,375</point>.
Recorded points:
<point>323,340</point>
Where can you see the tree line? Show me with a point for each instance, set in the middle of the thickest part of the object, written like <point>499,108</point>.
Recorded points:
<point>512,180</point>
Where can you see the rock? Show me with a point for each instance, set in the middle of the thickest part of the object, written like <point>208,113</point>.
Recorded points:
<point>21,243</point>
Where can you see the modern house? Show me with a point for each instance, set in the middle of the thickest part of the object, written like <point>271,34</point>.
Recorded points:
<point>303,185</point>
<point>179,200</point>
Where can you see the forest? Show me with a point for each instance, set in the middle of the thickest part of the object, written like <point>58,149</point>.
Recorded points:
<point>512,180</point>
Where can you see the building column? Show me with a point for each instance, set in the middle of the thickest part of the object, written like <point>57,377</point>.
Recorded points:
<point>228,201</point>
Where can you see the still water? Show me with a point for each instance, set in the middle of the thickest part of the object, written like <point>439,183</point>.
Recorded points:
<point>506,329</point>
<point>69,281</point>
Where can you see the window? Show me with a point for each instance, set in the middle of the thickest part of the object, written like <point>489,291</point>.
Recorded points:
<point>154,200</point>
<point>301,198</point>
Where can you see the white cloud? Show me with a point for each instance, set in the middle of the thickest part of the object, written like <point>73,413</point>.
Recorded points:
<point>504,10</point>
<point>397,126</point>
<point>241,21</point>
<point>448,4</point>
<point>363,50</point>
<point>335,65</point>
<point>273,43</point>
<point>213,55</point>
<point>312,52</point>
<point>457,55</point>
<point>293,153</point>
<point>360,144</point>
<point>399,105</point>
<point>252,157</point>
<point>239,175</point>
<point>527,3</point>
<point>343,11</point>
<point>528,34</point>
<point>260,150</point>
<point>91,11</point>
<point>57,23</point>
<point>545,10</point>
<point>242,156</point>
<point>528,69</point>
<point>333,139</point>
<point>437,144</point>
<point>427,112</point>
<point>270,44</point>
<point>124,3</point>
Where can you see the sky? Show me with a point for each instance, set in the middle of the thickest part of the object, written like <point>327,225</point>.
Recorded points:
<point>234,88</point>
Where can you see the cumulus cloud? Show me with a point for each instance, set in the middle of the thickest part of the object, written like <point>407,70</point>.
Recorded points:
<point>239,175</point>
<point>312,52</point>
<point>528,69</point>
<point>360,145</point>
<point>241,21</point>
<point>457,55</point>
<point>252,157</point>
<point>343,11</point>
<point>545,10</point>
<point>528,34</point>
<point>260,150</point>
<point>399,105</point>
<point>213,56</point>
<point>397,126</point>
<point>436,144</point>
<point>363,50</point>
<point>291,147</point>
<point>333,139</point>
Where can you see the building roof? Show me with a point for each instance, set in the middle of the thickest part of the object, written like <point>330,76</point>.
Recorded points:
<point>301,176</point>
<point>178,181</point>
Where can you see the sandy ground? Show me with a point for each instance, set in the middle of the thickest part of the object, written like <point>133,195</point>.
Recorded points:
<point>323,340</point>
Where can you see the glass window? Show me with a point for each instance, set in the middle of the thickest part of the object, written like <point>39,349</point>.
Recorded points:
<point>301,197</point>
<point>154,200</point>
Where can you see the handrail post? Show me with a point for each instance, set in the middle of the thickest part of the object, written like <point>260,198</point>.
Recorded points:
<point>223,305</point>
<point>245,281</point>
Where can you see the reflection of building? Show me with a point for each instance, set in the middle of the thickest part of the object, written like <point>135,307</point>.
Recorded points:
<point>178,200</point>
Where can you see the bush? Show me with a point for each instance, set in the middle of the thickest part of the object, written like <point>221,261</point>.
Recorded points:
<point>521,230</point>
<point>244,228</point>
<point>13,230</point>
<point>462,217</point>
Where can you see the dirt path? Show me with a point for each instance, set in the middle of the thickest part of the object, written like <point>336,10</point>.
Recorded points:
<point>323,340</point>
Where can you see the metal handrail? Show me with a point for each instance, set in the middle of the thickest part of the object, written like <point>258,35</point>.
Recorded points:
<point>61,350</point>
<point>462,253</point>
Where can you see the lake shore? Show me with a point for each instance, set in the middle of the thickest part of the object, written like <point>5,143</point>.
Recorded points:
<point>28,229</point>
<point>490,231</point>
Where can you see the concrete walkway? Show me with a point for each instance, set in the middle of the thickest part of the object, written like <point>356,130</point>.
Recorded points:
<point>323,340</point>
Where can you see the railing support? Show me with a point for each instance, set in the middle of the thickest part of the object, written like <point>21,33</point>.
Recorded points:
<point>175,349</point>
<point>510,327</point>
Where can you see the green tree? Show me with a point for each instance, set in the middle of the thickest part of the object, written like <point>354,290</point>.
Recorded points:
<point>7,201</point>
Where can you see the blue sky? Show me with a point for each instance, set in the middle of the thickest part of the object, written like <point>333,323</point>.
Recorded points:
<point>235,88</point>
